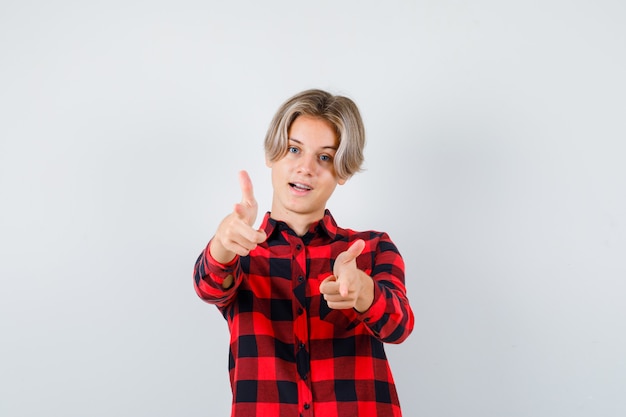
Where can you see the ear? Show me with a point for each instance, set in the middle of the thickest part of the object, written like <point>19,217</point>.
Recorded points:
<point>342,181</point>
<point>268,163</point>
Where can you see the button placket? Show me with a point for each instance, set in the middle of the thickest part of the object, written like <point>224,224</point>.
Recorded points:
<point>300,324</point>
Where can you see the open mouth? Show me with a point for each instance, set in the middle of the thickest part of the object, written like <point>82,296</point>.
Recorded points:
<point>299,187</point>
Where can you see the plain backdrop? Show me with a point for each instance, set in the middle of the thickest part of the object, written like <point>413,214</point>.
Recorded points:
<point>495,160</point>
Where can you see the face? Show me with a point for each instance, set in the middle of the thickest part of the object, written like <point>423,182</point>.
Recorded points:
<point>304,179</point>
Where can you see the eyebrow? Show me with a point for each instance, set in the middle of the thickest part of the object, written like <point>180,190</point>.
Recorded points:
<point>334,148</point>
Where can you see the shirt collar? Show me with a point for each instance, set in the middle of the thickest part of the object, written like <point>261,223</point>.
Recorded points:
<point>326,225</point>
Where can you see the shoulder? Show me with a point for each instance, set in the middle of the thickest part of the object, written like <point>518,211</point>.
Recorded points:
<point>374,239</point>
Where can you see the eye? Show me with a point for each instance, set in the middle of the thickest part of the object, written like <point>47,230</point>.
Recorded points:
<point>292,149</point>
<point>326,158</point>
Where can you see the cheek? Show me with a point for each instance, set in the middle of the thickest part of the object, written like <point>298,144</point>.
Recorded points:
<point>277,169</point>
<point>329,188</point>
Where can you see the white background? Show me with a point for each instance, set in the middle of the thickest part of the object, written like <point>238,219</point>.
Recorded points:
<point>495,160</point>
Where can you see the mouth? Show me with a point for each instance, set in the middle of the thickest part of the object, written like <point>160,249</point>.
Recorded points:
<point>298,186</point>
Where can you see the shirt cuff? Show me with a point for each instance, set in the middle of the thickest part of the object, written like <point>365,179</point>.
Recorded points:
<point>219,271</point>
<point>377,309</point>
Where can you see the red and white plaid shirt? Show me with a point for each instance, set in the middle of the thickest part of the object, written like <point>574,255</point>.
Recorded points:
<point>292,355</point>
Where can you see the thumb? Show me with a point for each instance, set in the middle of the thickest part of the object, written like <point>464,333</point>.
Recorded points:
<point>261,236</point>
<point>347,257</point>
<point>353,251</point>
<point>324,286</point>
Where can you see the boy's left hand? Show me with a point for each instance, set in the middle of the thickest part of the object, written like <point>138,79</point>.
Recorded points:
<point>348,287</point>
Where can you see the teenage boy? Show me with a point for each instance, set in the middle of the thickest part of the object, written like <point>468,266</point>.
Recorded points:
<point>308,304</point>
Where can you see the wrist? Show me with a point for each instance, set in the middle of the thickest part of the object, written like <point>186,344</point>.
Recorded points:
<point>220,254</point>
<point>366,295</point>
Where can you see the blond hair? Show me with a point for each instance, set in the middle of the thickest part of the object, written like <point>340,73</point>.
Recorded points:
<point>341,112</point>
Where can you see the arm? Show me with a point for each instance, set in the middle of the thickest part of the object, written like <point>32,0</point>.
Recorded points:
<point>217,273</point>
<point>380,299</point>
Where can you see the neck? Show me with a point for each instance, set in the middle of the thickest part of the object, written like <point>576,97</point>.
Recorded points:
<point>298,222</point>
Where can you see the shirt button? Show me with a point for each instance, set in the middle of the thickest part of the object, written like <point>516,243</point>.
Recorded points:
<point>300,278</point>
<point>298,246</point>
<point>307,406</point>
<point>300,310</point>
<point>301,345</point>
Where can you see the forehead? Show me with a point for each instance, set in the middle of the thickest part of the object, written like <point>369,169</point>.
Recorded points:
<point>313,131</point>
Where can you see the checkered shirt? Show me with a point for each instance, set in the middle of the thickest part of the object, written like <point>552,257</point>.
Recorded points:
<point>292,355</point>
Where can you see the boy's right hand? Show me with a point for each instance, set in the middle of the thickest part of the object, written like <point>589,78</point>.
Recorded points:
<point>235,234</point>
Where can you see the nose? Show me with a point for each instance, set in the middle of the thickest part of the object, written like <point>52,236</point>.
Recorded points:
<point>307,164</point>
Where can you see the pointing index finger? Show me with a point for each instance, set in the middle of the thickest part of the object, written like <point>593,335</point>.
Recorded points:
<point>247,192</point>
